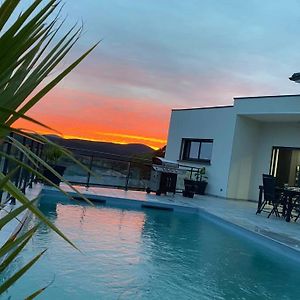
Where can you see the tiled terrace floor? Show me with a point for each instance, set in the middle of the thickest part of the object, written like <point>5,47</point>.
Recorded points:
<point>241,213</point>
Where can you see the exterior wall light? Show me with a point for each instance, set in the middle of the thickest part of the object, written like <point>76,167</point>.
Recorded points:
<point>295,77</point>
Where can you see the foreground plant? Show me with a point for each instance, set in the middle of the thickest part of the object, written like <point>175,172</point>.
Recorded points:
<point>30,49</point>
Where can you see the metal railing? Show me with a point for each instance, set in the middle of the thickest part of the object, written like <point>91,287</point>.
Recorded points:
<point>108,170</point>
<point>114,171</point>
<point>22,178</point>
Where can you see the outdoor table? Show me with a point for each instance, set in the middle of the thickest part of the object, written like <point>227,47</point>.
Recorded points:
<point>289,194</point>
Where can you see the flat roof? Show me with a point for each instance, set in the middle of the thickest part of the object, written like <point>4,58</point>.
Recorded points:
<point>270,96</point>
<point>206,107</point>
<point>236,98</point>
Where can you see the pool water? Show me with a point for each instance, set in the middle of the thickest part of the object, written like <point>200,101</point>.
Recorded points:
<point>149,254</point>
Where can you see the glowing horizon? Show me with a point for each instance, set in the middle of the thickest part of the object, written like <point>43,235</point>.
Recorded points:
<point>107,137</point>
<point>114,141</point>
<point>100,118</point>
<point>130,139</point>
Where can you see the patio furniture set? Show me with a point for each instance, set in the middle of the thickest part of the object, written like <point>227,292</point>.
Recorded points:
<point>279,201</point>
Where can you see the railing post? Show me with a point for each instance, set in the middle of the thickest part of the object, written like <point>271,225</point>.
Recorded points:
<point>18,178</point>
<point>39,152</point>
<point>192,169</point>
<point>128,175</point>
<point>21,158</point>
<point>31,175</point>
<point>5,164</point>
<point>89,174</point>
<point>23,178</point>
<point>6,161</point>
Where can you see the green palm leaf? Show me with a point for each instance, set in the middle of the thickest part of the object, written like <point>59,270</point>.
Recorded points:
<point>22,116</point>
<point>37,173</point>
<point>13,241</point>
<point>50,86</point>
<point>13,214</point>
<point>38,292</point>
<point>17,275</point>
<point>27,58</point>
<point>15,252</point>
<point>47,166</point>
<point>6,10</point>
<point>16,193</point>
<point>65,152</point>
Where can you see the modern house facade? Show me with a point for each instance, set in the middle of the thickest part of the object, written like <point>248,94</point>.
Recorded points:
<point>239,143</point>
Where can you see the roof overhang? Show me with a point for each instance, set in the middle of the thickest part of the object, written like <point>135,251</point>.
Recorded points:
<point>274,118</point>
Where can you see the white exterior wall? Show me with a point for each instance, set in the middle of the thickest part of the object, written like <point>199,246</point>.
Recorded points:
<point>268,106</point>
<point>243,159</point>
<point>213,123</point>
<point>243,137</point>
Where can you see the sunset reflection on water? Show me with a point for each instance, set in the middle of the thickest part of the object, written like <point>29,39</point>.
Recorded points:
<point>110,224</point>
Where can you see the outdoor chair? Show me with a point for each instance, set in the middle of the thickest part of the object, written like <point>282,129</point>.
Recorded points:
<point>271,196</point>
<point>296,208</point>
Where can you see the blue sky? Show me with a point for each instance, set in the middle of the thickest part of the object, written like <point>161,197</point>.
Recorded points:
<point>194,52</point>
<point>157,54</point>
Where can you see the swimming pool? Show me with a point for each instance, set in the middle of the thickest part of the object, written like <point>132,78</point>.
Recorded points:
<point>149,254</point>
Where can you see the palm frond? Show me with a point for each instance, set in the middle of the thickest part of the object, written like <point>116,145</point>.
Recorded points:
<point>16,212</point>
<point>12,242</point>
<point>27,58</point>
<point>16,193</point>
<point>21,147</point>
<point>9,282</point>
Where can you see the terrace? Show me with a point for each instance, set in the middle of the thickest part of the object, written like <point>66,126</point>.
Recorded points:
<point>122,182</point>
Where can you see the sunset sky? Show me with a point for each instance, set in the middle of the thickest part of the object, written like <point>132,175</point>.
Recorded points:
<point>156,55</point>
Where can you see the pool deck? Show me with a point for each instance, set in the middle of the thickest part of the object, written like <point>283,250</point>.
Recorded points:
<point>240,213</point>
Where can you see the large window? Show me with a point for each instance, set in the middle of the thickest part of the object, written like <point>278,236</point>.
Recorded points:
<point>196,150</point>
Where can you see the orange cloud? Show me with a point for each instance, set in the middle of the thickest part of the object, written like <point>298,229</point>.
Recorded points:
<point>102,118</point>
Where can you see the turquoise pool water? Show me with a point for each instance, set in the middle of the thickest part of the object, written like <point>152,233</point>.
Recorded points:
<point>150,254</point>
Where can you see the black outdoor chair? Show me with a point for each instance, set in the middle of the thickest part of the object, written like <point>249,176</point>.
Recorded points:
<point>271,196</point>
<point>297,210</point>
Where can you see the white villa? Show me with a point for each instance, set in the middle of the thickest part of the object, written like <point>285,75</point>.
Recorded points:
<point>239,143</point>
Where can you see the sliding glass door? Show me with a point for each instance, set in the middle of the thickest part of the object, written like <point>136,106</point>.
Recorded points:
<point>285,165</point>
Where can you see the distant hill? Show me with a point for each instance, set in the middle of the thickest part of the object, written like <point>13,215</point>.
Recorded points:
<point>104,147</point>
